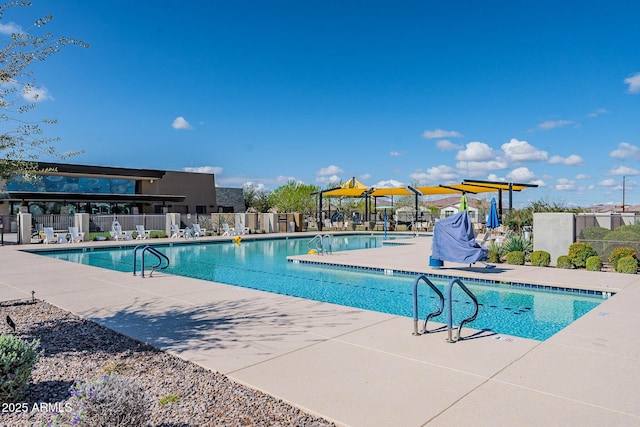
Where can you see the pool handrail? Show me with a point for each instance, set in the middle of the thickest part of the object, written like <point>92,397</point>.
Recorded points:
<point>438,312</point>
<point>448,292</point>
<point>159,255</point>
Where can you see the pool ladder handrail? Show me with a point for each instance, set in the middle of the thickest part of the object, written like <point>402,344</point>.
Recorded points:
<point>159,255</point>
<point>436,313</point>
<point>319,241</point>
<point>445,302</point>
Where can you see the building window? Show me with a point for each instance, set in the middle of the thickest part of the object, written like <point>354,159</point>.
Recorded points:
<point>201,209</point>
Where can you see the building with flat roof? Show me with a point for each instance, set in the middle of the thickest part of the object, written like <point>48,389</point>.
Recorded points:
<point>100,189</point>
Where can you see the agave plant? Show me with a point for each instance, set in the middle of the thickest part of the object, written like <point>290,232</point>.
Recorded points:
<point>517,243</point>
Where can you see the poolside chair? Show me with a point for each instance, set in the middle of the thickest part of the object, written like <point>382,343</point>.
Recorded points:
<point>199,232</point>
<point>239,230</point>
<point>227,230</point>
<point>75,235</point>
<point>49,235</point>
<point>117,233</point>
<point>142,233</point>
<point>175,231</point>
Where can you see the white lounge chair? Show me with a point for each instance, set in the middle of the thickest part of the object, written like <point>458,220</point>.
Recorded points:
<point>199,232</point>
<point>227,230</point>
<point>175,231</point>
<point>49,235</point>
<point>142,233</point>
<point>75,235</point>
<point>117,233</point>
<point>239,230</point>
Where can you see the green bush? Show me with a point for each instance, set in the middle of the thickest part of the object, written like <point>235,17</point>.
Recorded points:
<point>618,253</point>
<point>594,263</point>
<point>494,255</point>
<point>515,258</point>
<point>113,400</point>
<point>579,252</point>
<point>17,359</point>
<point>92,236</point>
<point>540,258</point>
<point>158,234</point>
<point>564,262</point>
<point>628,265</point>
<point>593,233</point>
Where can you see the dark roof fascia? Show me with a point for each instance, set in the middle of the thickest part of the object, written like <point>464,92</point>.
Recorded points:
<point>103,171</point>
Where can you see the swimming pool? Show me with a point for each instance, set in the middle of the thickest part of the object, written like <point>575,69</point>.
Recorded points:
<point>262,264</point>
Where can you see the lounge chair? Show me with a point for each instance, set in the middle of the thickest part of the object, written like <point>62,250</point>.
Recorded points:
<point>49,235</point>
<point>227,230</point>
<point>75,235</point>
<point>142,233</point>
<point>239,230</point>
<point>199,232</point>
<point>117,233</point>
<point>175,231</point>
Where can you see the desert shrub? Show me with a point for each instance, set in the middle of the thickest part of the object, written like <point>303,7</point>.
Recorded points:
<point>112,400</point>
<point>540,258</point>
<point>594,263</point>
<point>579,252</point>
<point>517,243</point>
<point>17,359</point>
<point>564,262</point>
<point>624,233</point>
<point>92,235</point>
<point>618,253</point>
<point>515,258</point>
<point>593,233</point>
<point>158,234</point>
<point>628,265</point>
<point>493,255</point>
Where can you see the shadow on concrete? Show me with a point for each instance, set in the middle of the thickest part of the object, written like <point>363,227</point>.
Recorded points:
<point>222,325</point>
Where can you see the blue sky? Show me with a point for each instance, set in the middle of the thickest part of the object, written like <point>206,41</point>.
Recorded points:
<point>393,93</point>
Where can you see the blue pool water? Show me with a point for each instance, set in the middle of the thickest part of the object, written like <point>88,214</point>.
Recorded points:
<point>262,264</point>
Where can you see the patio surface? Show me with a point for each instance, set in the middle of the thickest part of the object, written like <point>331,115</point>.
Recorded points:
<point>362,368</point>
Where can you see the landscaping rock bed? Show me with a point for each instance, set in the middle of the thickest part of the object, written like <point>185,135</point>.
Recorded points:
<point>79,349</point>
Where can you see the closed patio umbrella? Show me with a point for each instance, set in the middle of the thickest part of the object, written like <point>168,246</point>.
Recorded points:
<point>493,221</point>
<point>464,203</point>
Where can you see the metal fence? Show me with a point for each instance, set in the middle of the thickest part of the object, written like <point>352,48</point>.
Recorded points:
<point>57,222</point>
<point>128,222</point>
<point>597,230</point>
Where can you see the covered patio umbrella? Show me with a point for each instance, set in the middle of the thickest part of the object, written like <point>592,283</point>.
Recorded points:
<point>385,217</point>
<point>464,203</point>
<point>492,219</point>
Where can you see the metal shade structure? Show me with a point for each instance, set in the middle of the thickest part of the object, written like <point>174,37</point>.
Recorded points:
<point>499,187</point>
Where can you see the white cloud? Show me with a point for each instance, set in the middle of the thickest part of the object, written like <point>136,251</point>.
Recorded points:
<point>391,183</point>
<point>520,175</point>
<point>608,183</point>
<point>365,176</point>
<point>597,112</point>
<point>634,83</point>
<point>10,28</point>
<point>435,174</point>
<point>329,170</point>
<point>446,145</point>
<point>538,182</point>
<point>522,151</point>
<point>181,123</point>
<point>572,160</point>
<point>623,170</point>
<point>35,94</point>
<point>440,133</point>
<point>394,154</point>
<point>582,176</point>
<point>333,179</point>
<point>563,184</point>
<point>552,124</point>
<point>626,151</point>
<point>478,168</point>
<point>258,186</point>
<point>204,169</point>
<point>476,151</point>
<point>285,179</point>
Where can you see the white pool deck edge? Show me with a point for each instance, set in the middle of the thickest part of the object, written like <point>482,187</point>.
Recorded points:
<point>362,368</point>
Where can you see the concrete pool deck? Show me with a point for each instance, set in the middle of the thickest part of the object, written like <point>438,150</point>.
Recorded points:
<point>362,368</point>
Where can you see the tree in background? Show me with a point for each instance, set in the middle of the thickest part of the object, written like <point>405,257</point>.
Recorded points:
<point>295,197</point>
<point>21,145</point>
<point>518,218</point>
<point>258,199</point>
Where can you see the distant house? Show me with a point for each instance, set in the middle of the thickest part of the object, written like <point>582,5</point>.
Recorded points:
<point>450,205</point>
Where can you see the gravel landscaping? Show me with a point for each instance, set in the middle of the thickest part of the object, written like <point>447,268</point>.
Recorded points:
<point>79,349</point>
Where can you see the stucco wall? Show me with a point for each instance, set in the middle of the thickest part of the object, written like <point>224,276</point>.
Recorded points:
<point>554,233</point>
